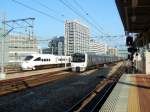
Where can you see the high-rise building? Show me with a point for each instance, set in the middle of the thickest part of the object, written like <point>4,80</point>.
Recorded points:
<point>56,45</point>
<point>97,47</point>
<point>77,37</point>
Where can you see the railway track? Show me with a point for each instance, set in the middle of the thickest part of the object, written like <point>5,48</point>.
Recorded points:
<point>21,83</point>
<point>25,82</point>
<point>95,99</point>
<point>10,70</point>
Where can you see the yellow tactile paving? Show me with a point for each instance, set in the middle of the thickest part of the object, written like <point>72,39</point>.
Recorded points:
<point>144,92</point>
<point>136,97</point>
<point>133,98</point>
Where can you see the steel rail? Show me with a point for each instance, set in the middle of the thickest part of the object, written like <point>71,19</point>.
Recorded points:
<point>21,83</point>
<point>114,79</point>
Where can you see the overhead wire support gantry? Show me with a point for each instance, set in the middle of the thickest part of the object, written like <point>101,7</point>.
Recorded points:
<point>26,23</point>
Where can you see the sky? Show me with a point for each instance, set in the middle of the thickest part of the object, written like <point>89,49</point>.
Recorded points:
<point>102,15</point>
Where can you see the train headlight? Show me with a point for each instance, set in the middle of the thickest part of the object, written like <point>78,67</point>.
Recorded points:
<point>25,65</point>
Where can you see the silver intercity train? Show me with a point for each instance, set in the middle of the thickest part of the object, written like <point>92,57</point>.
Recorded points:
<point>82,61</point>
<point>34,61</point>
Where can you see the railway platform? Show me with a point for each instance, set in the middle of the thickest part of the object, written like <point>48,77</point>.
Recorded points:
<point>31,73</point>
<point>131,94</point>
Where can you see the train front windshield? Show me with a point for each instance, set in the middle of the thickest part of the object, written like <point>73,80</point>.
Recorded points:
<point>78,58</point>
<point>28,58</point>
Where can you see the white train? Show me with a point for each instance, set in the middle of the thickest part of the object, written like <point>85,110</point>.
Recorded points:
<point>33,61</point>
<point>83,61</point>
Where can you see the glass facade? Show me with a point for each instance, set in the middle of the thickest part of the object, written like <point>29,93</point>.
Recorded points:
<point>56,45</point>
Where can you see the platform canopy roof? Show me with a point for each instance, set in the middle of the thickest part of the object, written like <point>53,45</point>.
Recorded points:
<point>135,15</point>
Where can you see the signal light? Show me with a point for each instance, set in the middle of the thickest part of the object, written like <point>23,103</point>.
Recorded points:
<point>129,41</point>
<point>132,50</point>
<point>130,57</point>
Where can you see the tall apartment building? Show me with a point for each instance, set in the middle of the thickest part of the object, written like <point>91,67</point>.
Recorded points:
<point>16,47</point>
<point>77,37</point>
<point>96,47</point>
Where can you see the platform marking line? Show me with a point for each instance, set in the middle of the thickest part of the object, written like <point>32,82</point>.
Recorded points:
<point>144,95</point>
<point>133,98</point>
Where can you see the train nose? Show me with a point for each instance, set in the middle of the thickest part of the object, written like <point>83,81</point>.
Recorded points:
<point>24,66</point>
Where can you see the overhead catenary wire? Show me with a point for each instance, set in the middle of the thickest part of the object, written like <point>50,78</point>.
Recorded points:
<point>74,10</point>
<point>59,20</point>
<point>45,6</point>
<point>105,34</point>
<point>87,14</point>
<point>39,11</point>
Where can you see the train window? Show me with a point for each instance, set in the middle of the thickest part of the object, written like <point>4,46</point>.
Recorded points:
<point>28,58</point>
<point>38,59</point>
<point>62,59</point>
<point>44,59</point>
<point>78,58</point>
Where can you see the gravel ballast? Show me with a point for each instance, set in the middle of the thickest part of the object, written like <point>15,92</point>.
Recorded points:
<point>55,96</point>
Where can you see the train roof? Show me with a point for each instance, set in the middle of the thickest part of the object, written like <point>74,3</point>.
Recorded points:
<point>40,54</point>
<point>90,53</point>
<point>94,54</point>
<point>45,55</point>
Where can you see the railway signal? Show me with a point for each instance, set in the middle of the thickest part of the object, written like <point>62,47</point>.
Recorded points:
<point>129,41</point>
